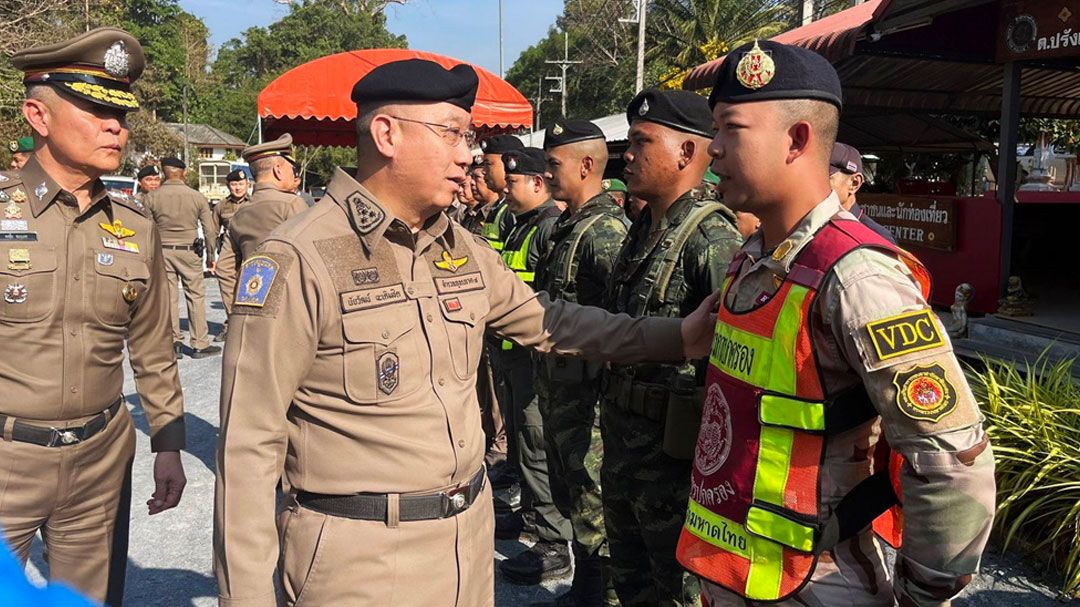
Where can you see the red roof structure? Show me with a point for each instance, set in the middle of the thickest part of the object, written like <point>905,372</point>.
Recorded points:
<point>312,101</point>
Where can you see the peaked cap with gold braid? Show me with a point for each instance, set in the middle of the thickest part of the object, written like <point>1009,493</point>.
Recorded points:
<point>282,146</point>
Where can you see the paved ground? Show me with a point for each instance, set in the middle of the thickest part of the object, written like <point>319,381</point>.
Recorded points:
<point>170,556</point>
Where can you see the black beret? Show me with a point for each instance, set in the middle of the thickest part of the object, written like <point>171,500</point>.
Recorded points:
<point>148,171</point>
<point>237,175</point>
<point>564,132</point>
<point>680,110</point>
<point>174,162</point>
<point>526,161</point>
<point>767,70</point>
<point>418,80</point>
<point>500,144</point>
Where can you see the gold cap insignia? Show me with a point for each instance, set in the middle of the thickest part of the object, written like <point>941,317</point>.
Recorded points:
<point>557,129</point>
<point>755,69</point>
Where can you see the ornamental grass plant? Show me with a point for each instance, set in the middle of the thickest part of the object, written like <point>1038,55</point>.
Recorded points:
<point>1033,418</point>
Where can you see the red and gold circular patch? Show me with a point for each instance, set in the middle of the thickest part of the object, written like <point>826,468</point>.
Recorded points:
<point>925,393</point>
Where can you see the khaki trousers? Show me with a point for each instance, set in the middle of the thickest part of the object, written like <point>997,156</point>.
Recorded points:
<point>491,417</point>
<point>226,277</point>
<point>71,494</point>
<point>329,560</point>
<point>187,267</point>
<point>853,574</point>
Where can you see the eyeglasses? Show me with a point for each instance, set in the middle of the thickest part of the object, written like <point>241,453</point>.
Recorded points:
<point>452,135</point>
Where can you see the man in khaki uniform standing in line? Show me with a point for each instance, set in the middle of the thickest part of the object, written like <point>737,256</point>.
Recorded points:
<point>273,200</point>
<point>83,275</point>
<point>225,268</point>
<point>178,210</point>
<point>149,178</point>
<point>380,303</point>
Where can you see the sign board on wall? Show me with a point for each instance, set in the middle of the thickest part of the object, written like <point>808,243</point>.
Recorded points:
<point>915,221</point>
<point>1038,29</point>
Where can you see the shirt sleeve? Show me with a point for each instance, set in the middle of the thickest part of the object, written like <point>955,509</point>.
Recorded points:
<point>257,388</point>
<point>210,227</point>
<point>886,331</point>
<point>599,253</point>
<point>149,344</point>
<point>707,256</point>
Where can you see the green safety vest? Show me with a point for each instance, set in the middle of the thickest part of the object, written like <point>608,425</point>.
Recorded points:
<point>518,261</point>
<point>490,231</point>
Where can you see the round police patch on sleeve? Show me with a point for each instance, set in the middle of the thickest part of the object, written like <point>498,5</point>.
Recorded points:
<point>925,393</point>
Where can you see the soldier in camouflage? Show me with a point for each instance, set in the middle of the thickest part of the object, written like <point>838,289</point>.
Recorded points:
<point>584,245</point>
<point>777,121</point>
<point>673,259</point>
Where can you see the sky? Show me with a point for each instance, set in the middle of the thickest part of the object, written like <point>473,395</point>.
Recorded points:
<point>463,29</point>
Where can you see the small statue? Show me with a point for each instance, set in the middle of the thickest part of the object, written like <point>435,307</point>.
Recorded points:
<point>1016,301</point>
<point>958,325</point>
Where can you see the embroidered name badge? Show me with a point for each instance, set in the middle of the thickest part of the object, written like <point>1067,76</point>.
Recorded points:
<point>256,277</point>
<point>925,393</point>
<point>904,334</point>
<point>460,284</point>
<point>365,299</point>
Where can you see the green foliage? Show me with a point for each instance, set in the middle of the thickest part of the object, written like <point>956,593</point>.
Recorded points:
<point>1033,417</point>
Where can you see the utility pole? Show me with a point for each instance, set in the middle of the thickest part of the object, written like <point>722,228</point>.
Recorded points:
<point>539,103</point>
<point>807,11</point>
<point>639,19</point>
<point>501,40</point>
<point>564,64</point>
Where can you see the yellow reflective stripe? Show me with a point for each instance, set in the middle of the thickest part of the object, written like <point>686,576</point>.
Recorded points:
<point>774,458</point>
<point>507,345</point>
<point>766,570</point>
<point>518,260</point>
<point>741,354</point>
<point>498,246</point>
<point>785,336</point>
<point>780,529</point>
<point>717,530</point>
<point>802,415</point>
<point>528,277</point>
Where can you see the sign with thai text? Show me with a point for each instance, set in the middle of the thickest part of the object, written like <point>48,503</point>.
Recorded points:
<point>915,221</point>
<point>1039,29</point>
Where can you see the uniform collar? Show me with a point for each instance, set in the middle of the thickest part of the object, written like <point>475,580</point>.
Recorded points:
<point>173,182</point>
<point>527,215</point>
<point>369,218</point>
<point>262,187</point>
<point>43,190</point>
<point>677,211</point>
<point>779,259</point>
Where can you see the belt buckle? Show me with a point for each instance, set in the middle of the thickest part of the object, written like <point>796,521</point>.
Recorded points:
<point>59,437</point>
<point>455,502</point>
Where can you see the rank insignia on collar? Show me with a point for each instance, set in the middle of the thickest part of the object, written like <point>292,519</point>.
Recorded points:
<point>389,371</point>
<point>19,259</point>
<point>117,229</point>
<point>450,264</point>
<point>41,190</point>
<point>3,178</point>
<point>18,196</point>
<point>4,196</point>
<point>756,68</point>
<point>13,211</point>
<point>368,216</point>
<point>15,293</point>
<point>782,250</point>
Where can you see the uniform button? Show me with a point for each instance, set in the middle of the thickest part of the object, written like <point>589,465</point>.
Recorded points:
<point>472,315</point>
<point>385,334</point>
<point>442,382</point>
<point>409,290</point>
<point>76,276</point>
<point>461,443</point>
<point>429,318</point>
<point>74,332</point>
<point>74,389</point>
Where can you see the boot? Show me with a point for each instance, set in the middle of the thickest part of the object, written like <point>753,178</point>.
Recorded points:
<point>544,561</point>
<point>515,526</point>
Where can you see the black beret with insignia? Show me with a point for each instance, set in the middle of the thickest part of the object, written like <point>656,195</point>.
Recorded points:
<point>766,70</point>
<point>680,110</point>
<point>174,162</point>
<point>148,171</point>
<point>526,161</point>
<point>500,144</point>
<point>418,80</point>
<point>99,66</point>
<point>564,132</point>
<point>237,175</point>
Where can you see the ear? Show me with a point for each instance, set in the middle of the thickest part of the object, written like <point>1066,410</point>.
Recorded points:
<point>38,115</point>
<point>857,181</point>
<point>801,136</point>
<point>588,165</point>
<point>687,151</point>
<point>385,135</point>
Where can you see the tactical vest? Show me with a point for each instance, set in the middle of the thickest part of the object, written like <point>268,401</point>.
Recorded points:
<point>517,260</point>
<point>755,522</point>
<point>491,230</point>
<point>561,265</point>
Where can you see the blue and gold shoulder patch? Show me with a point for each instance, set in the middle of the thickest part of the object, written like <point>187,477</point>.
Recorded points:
<point>256,277</point>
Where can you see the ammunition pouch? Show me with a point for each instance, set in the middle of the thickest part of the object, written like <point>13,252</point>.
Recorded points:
<point>678,410</point>
<point>568,370</point>
<point>683,422</point>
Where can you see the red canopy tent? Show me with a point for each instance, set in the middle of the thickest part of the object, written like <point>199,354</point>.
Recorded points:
<point>312,101</point>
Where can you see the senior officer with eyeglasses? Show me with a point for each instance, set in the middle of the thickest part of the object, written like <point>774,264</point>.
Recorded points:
<point>350,369</point>
<point>84,276</point>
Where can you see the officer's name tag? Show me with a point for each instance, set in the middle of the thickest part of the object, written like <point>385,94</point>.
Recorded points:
<point>18,236</point>
<point>904,334</point>
<point>365,299</point>
<point>460,284</point>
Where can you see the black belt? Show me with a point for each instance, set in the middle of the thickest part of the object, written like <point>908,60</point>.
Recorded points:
<point>372,506</point>
<point>177,247</point>
<point>57,437</point>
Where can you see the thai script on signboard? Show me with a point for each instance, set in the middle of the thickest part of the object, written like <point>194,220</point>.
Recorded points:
<point>1039,29</point>
<point>923,222</point>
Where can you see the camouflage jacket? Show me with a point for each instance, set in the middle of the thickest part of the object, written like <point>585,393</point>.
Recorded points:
<point>583,250</point>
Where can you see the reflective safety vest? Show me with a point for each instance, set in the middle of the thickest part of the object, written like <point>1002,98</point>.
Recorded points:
<point>518,261</point>
<point>755,522</point>
<point>490,231</point>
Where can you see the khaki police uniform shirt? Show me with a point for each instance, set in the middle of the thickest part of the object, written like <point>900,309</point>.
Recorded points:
<point>73,293</point>
<point>948,482</point>
<point>178,210</point>
<point>351,365</point>
<point>226,209</point>
<point>267,208</point>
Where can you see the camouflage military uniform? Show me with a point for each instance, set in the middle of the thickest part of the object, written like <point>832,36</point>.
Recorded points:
<point>646,489</point>
<point>947,481</point>
<point>584,248</point>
